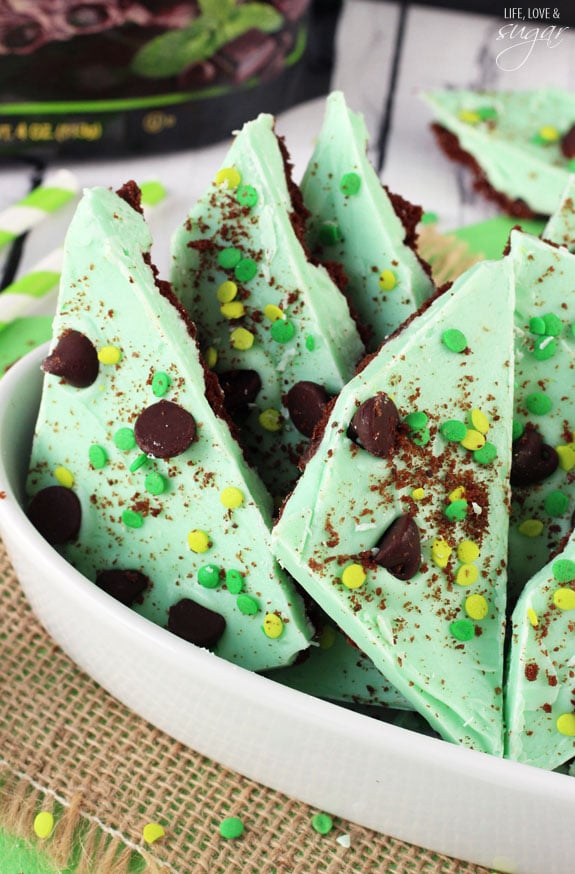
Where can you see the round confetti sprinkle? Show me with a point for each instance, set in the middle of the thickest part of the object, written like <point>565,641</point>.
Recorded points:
<point>64,476</point>
<point>478,421</point>
<point>245,270</point>
<point>566,724</point>
<point>229,258</point>
<point>467,551</point>
<point>199,541</point>
<point>109,355</point>
<point>247,605</point>
<point>566,456</point>
<point>232,497</point>
<point>486,454</point>
<point>387,280</point>
<point>160,383</point>
<point>544,348</point>
<point>271,420</point>
<point>564,599</point>
<point>563,570</point>
<point>553,324</point>
<point>487,113</point>
<point>532,616</point>
<point>164,429</point>
<point>56,513</point>
<point>476,607</point>
<point>43,824</point>
<point>152,832</point>
<point>124,439</point>
<point>538,403</point>
<point>353,576</point>
<point>417,420</point>
<point>440,552</point>
<point>272,312</point>
<point>310,343</point>
<point>517,430</point>
<point>322,823</point>
<point>74,359</point>
<point>234,581</point>
<point>233,310</point>
<point>229,177</point>
<point>421,438</point>
<point>350,184</point>
<point>98,456</point>
<point>227,291</point>
<point>211,356</point>
<point>462,629</point>
<point>454,340</point>
<point>209,576</point>
<point>556,503</point>
<point>231,828</point>
<point>456,511</point>
<point>329,234</point>
<point>466,575</point>
<point>155,483</point>
<point>457,494</point>
<point>273,626</point>
<point>242,339</point>
<point>549,133</point>
<point>473,440</point>
<point>530,527</point>
<point>282,331</point>
<point>132,519</point>
<point>418,494</point>
<point>453,431</point>
<point>141,461</point>
<point>537,325</point>
<point>469,116</point>
<point>247,196</point>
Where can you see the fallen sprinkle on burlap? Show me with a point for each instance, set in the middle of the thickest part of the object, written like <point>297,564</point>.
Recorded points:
<point>68,747</point>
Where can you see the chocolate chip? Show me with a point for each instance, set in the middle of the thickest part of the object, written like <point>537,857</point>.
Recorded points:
<point>374,425</point>
<point>240,388</point>
<point>306,402</point>
<point>532,460</point>
<point>195,623</point>
<point>164,429</point>
<point>568,142</point>
<point>399,549</point>
<point>56,512</point>
<point>74,358</point>
<point>124,586</point>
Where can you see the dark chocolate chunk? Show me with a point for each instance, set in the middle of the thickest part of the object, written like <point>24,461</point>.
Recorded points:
<point>532,460</point>
<point>164,429</point>
<point>246,55</point>
<point>124,586</point>
<point>399,549</point>
<point>374,425</point>
<point>195,623</point>
<point>240,388</point>
<point>56,512</point>
<point>306,402</point>
<point>568,142</point>
<point>75,359</point>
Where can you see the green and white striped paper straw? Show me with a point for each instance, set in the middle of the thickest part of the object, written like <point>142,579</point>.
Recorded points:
<point>56,190</point>
<point>22,297</point>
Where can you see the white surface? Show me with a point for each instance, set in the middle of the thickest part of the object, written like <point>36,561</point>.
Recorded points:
<point>462,803</point>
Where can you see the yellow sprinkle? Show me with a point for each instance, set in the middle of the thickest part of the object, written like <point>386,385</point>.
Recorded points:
<point>467,551</point>
<point>476,607</point>
<point>227,291</point>
<point>566,724</point>
<point>43,824</point>
<point>152,832</point>
<point>229,177</point>
<point>531,527</point>
<point>233,310</point>
<point>566,456</point>
<point>211,356</point>
<point>473,440</point>
<point>271,420</point>
<point>273,313</point>
<point>466,575</point>
<point>64,477</point>
<point>353,576</point>
<point>457,494</point>
<point>469,116</point>
<point>199,541</point>
<point>532,616</point>
<point>418,494</point>
<point>273,626</point>
<point>242,339</point>
<point>232,497</point>
<point>564,598</point>
<point>109,355</point>
<point>387,280</point>
<point>327,637</point>
<point>549,133</point>
<point>440,552</point>
<point>478,421</point>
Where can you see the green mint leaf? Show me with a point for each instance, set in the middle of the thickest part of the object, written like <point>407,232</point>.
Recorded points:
<point>261,16</point>
<point>218,10</point>
<point>172,52</point>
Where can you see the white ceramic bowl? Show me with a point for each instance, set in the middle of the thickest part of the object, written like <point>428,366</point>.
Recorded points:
<point>466,804</point>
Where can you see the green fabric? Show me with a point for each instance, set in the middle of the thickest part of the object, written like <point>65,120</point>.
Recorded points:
<point>20,857</point>
<point>47,199</point>
<point>21,337</point>
<point>490,238</point>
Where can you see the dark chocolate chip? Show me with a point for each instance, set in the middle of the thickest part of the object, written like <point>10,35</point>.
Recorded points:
<point>74,358</point>
<point>164,429</point>
<point>124,586</point>
<point>306,402</point>
<point>532,460</point>
<point>568,142</point>
<point>57,513</point>
<point>374,425</point>
<point>399,549</point>
<point>240,388</point>
<point>195,623</point>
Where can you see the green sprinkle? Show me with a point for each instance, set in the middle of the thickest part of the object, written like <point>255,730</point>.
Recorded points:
<point>462,629</point>
<point>247,195</point>
<point>553,324</point>
<point>538,403</point>
<point>563,570</point>
<point>517,429</point>
<point>322,823</point>
<point>429,218</point>
<point>556,503</point>
<point>209,576</point>
<point>537,325</point>
<point>229,258</point>
<point>98,456</point>
<point>538,140</point>
<point>231,828</point>
<point>544,348</point>
<point>245,270</point>
<point>131,519</point>
<point>417,420</point>
<point>247,605</point>
<point>350,183</point>
<point>310,343</point>
<point>282,330</point>
<point>453,431</point>
<point>160,383</point>
<point>486,454</point>
<point>139,462</point>
<point>456,511</point>
<point>125,439</point>
<point>454,340</point>
<point>329,234</point>
<point>234,581</point>
<point>571,165</point>
<point>155,483</point>
<point>421,438</point>
<point>486,113</point>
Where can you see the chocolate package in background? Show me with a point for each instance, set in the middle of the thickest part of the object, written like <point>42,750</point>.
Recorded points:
<point>123,77</point>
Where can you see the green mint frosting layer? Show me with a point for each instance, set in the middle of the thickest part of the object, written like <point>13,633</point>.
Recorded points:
<point>354,223</point>
<point>436,633</point>
<point>184,511</point>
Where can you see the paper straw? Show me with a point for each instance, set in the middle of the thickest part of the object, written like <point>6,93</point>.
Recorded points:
<point>55,191</point>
